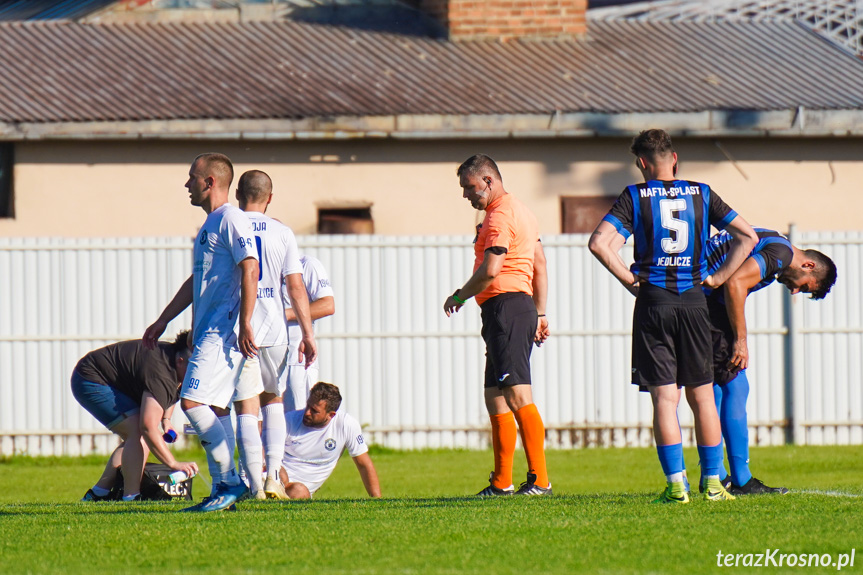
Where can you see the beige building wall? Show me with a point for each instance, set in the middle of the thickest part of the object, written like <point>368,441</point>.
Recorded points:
<point>82,188</point>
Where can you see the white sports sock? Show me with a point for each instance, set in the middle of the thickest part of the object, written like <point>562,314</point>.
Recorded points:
<point>251,450</point>
<point>228,426</point>
<point>232,445</point>
<point>213,468</point>
<point>675,477</point>
<point>213,440</point>
<point>275,432</point>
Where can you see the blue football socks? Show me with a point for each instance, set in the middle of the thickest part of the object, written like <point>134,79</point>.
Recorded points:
<point>711,459</point>
<point>735,426</point>
<point>718,395</point>
<point>671,459</point>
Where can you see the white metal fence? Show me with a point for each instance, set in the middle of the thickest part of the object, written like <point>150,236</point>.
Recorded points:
<point>411,375</point>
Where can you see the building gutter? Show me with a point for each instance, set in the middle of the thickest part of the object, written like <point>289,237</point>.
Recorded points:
<point>798,122</point>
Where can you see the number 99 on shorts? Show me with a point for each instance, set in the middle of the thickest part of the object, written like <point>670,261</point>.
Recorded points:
<point>193,383</point>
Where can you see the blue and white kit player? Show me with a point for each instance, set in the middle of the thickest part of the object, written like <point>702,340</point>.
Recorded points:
<point>301,378</point>
<point>263,381</point>
<point>222,288</point>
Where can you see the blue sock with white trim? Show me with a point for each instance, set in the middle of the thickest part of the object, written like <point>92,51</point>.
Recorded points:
<point>711,459</point>
<point>735,427</point>
<point>671,459</point>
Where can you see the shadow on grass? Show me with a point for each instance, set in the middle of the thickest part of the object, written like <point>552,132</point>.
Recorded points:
<point>119,508</point>
<point>334,505</point>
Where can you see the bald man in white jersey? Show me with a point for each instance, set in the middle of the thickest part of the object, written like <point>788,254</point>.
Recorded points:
<point>223,288</point>
<point>261,386</point>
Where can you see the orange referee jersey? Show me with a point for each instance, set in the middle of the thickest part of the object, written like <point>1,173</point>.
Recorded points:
<point>508,224</point>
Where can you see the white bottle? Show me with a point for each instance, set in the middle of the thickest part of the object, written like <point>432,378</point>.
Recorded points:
<point>178,477</point>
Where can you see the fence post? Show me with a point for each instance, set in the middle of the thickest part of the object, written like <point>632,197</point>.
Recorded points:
<point>796,363</point>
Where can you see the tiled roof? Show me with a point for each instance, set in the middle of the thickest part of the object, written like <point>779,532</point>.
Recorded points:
<point>70,72</point>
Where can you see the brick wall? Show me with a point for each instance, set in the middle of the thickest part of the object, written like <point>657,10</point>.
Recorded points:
<point>508,19</point>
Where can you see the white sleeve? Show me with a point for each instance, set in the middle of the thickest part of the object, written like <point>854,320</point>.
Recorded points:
<point>317,281</point>
<point>292,264</point>
<point>237,233</point>
<point>354,440</point>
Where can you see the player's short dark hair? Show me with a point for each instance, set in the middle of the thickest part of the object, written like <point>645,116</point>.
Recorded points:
<point>220,165</point>
<point>651,144</point>
<point>254,186</point>
<point>479,165</point>
<point>181,343</point>
<point>825,270</point>
<point>326,392</point>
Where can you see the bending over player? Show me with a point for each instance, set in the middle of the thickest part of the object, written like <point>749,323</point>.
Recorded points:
<point>774,258</point>
<point>316,438</point>
<point>132,391</point>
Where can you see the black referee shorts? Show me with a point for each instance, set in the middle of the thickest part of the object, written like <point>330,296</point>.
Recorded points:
<point>671,338</point>
<point>508,328</point>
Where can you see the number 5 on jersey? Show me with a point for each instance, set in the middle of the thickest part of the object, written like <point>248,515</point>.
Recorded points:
<point>667,209</point>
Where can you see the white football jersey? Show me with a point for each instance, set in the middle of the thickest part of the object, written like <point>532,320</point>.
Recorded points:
<point>279,256</point>
<point>311,453</point>
<point>318,285</point>
<point>224,241</point>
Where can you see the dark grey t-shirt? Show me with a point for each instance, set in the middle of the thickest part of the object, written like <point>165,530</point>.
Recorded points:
<point>131,368</point>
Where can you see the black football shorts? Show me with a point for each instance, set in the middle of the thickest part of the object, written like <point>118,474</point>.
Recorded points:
<point>671,339</point>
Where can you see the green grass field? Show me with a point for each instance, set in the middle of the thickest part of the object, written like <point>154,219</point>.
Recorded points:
<point>599,521</point>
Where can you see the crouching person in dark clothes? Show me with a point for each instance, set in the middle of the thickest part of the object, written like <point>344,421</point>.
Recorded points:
<point>132,391</point>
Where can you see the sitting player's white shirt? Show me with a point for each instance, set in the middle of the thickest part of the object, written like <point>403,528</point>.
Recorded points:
<point>311,453</point>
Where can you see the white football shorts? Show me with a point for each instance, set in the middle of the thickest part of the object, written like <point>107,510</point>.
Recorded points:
<point>309,475</point>
<point>267,372</point>
<point>213,372</point>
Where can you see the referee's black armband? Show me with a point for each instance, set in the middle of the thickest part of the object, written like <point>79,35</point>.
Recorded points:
<point>497,250</point>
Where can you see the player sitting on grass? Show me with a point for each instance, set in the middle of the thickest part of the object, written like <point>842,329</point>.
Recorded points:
<point>774,258</point>
<point>132,391</point>
<point>317,436</point>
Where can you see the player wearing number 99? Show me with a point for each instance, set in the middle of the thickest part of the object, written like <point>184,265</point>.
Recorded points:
<point>670,221</point>
<point>222,288</point>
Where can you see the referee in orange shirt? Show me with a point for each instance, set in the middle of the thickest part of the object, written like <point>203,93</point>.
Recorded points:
<point>509,282</point>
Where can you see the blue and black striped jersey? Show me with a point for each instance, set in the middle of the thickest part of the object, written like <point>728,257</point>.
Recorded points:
<point>773,253</point>
<point>670,221</point>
